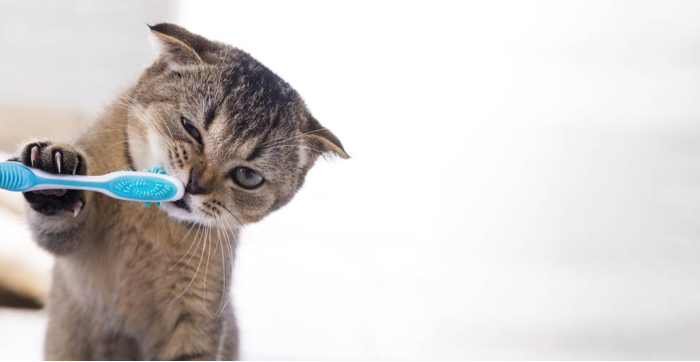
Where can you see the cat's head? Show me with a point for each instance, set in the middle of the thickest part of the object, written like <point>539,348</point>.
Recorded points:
<point>235,133</point>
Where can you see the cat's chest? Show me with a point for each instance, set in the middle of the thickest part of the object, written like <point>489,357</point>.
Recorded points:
<point>140,271</point>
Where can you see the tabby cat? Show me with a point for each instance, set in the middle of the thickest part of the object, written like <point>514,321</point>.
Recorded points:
<point>135,282</point>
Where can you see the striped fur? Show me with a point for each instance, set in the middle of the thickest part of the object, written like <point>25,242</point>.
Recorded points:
<point>145,283</point>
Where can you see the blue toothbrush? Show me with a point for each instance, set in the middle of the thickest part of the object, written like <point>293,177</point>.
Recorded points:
<point>146,187</point>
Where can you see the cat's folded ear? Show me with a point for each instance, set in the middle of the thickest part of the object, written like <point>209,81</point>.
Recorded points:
<point>321,141</point>
<point>179,46</point>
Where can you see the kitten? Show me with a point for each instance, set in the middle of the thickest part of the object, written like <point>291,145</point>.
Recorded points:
<point>132,282</point>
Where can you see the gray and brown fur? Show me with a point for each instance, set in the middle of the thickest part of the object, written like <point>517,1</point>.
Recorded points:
<point>132,282</point>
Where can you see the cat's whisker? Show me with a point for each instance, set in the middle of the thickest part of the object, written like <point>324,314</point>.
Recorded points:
<point>143,116</point>
<point>163,122</point>
<point>146,118</point>
<point>228,226</point>
<point>229,296</point>
<point>117,143</point>
<point>204,247</point>
<point>230,252</point>
<point>234,216</point>
<point>157,126</point>
<point>184,237</point>
<point>222,304</point>
<point>198,240</point>
<point>206,271</point>
<point>124,106</point>
<point>233,233</point>
<point>227,238</point>
<point>223,270</point>
<point>178,244</point>
<point>107,130</point>
<point>218,235</point>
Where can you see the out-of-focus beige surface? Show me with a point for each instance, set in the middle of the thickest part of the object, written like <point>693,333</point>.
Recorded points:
<point>24,267</point>
<point>24,122</point>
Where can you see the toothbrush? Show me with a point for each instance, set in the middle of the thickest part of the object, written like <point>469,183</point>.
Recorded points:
<point>145,187</point>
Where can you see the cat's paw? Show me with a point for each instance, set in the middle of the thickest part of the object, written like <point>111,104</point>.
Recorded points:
<point>56,158</point>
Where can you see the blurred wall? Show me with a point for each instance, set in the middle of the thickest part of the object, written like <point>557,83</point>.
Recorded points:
<point>524,181</point>
<point>52,82</point>
<point>62,63</point>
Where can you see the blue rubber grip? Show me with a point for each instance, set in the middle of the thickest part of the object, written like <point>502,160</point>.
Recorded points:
<point>16,177</point>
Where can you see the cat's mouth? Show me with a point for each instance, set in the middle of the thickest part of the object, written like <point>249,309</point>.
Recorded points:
<point>182,204</point>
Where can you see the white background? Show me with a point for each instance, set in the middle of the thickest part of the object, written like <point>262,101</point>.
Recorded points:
<point>524,181</point>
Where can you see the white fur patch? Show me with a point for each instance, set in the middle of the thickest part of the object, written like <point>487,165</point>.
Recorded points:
<point>155,154</point>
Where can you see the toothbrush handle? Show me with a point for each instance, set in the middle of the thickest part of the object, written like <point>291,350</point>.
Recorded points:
<point>48,181</point>
<point>124,185</point>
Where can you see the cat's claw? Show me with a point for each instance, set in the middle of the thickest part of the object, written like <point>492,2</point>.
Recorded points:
<point>57,157</point>
<point>35,155</point>
<point>54,158</point>
<point>77,207</point>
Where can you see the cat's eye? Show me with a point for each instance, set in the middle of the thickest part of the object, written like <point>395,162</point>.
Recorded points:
<point>247,178</point>
<point>191,129</point>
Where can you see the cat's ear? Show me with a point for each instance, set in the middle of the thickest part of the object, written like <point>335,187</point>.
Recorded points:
<point>321,141</point>
<point>179,46</point>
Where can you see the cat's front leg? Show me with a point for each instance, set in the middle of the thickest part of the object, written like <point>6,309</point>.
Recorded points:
<point>56,217</point>
<point>192,338</point>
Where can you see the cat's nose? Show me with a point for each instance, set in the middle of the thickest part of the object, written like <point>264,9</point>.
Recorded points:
<point>194,187</point>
